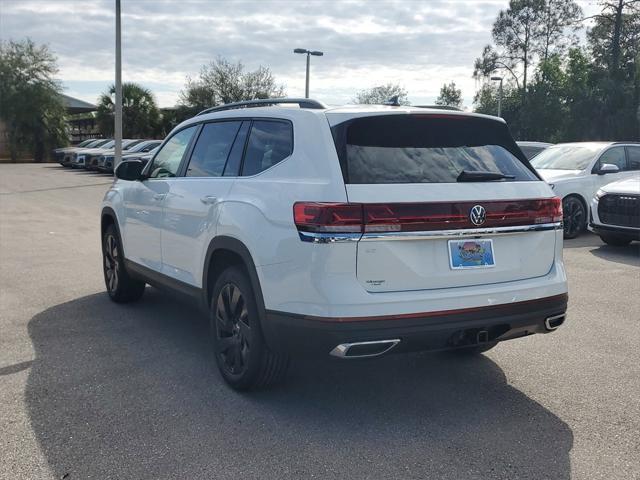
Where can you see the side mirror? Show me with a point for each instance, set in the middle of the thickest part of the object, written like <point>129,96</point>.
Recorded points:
<point>130,170</point>
<point>608,168</point>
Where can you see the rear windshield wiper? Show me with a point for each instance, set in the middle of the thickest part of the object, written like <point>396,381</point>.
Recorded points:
<point>466,176</point>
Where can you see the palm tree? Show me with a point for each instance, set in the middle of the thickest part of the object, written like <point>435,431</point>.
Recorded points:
<point>140,114</point>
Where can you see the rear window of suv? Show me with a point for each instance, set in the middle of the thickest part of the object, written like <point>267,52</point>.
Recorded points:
<point>429,148</point>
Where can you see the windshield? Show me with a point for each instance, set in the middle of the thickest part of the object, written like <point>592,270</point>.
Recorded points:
<point>565,157</point>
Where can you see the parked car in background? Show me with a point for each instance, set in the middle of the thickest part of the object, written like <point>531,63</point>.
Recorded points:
<point>531,149</point>
<point>615,212</point>
<point>85,157</point>
<point>348,232</point>
<point>78,156</point>
<point>105,162</point>
<point>91,160</point>
<point>68,155</point>
<point>577,170</point>
<point>58,153</point>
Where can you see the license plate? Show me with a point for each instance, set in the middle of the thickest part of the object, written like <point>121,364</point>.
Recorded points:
<point>471,254</point>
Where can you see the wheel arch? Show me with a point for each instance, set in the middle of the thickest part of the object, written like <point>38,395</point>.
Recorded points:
<point>222,252</point>
<point>109,217</point>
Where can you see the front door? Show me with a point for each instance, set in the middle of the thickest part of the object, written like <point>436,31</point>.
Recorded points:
<point>144,202</point>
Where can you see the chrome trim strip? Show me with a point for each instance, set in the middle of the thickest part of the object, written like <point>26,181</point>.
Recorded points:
<point>342,350</point>
<point>329,237</point>
<point>470,232</point>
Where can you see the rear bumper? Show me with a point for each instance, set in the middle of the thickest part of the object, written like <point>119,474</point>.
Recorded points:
<point>300,334</point>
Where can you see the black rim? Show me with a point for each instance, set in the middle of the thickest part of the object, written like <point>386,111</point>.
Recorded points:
<point>233,332</point>
<point>573,216</point>
<point>111,265</point>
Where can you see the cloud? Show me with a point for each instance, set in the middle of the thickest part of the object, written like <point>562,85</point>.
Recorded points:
<point>419,44</point>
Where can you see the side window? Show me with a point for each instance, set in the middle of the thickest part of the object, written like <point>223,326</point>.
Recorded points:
<point>270,142</point>
<point>212,149</point>
<point>167,160</point>
<point>614,156</point>
<point>633,158</point>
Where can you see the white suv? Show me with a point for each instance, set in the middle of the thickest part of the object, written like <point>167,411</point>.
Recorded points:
<point>347,231</point>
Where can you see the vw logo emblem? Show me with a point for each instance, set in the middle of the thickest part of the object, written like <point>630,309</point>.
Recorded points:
<point>478,215</point>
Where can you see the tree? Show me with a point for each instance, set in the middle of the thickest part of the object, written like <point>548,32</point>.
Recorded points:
<point>382,94</point>
<point>614,43</point>
<point>222,82</point>
<point>556,19</point>
<point>30,101</point>
<point>527,30</point>
<point>140,114</point>
<point>450,96</point>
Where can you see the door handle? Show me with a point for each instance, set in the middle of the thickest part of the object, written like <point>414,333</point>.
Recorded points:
<point>159,196</point>
<point>209,199</point>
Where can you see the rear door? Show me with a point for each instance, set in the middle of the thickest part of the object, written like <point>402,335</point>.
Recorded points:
<point>425,229</point>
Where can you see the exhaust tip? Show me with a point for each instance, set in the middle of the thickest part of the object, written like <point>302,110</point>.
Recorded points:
<point>553,322</point>
<point>364,349</point>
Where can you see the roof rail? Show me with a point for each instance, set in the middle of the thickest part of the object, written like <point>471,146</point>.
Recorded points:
<point>441,107</point>
<point>632,142</point>
<point>266,102</point>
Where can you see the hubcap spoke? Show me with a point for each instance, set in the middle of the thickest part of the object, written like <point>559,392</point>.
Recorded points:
<point>232,329</point>
<point>226,343</point>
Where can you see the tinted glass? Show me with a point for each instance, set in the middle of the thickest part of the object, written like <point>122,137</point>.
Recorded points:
<point>425,149</point>
<point>531,152</point>
<point>633,158</point>
<point>566,157</point>
<point>167,161</point>
<point>235,157</point>
<point>212,149</point>
<point>270,142</point>
<point>150,146</point>
<point>614,156</point>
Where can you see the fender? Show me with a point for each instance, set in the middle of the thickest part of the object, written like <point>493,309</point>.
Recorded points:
<point>110,212</point>
<point>236,246</point>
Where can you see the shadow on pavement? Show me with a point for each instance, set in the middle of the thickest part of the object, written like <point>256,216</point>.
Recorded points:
<point>628,255</point>
<point>131,392</point>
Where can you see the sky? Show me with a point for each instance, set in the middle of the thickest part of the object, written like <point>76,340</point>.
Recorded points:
<point>418,44</point>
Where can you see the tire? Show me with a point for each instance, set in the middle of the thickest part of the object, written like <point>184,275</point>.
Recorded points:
<point>120,286</point>
<point>242,355</point>
<point>474,350</point>
<point>575,216</point>
<point>615,240</point>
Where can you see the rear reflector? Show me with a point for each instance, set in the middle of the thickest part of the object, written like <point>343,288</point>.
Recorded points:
<point>412,217</point>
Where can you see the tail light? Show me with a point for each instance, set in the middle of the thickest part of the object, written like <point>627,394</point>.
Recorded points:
<point>412,217</point>
<point>328,217</point>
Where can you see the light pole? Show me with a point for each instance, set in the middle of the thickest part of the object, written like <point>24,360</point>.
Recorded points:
<point>118,110</point>
<point>499,79</point>
<point>315,53</point>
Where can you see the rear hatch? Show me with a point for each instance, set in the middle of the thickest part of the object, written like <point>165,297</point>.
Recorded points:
<point>448,200</point>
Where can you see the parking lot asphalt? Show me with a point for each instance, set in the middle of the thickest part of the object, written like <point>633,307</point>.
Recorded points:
<point>90,389</point>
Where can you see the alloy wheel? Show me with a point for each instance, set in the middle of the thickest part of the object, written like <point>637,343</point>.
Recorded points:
<point>232,329</point>
<point>574,216</point>
<point>111,264</point>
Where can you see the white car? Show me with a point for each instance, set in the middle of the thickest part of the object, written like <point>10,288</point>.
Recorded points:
<point>615,211</point>
<point>577,170</point>
<point>350,232</point>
